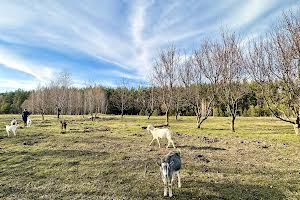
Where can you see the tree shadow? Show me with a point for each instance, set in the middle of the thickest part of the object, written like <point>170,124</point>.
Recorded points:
<point>228,191</point>
<point>209,148</point>
<point>33,193</point>
<point>68,153</point>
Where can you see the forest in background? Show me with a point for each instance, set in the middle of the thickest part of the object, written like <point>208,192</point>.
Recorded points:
<point>136,101</point>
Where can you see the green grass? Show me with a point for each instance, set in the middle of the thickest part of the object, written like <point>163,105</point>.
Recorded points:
<point>261,160</point>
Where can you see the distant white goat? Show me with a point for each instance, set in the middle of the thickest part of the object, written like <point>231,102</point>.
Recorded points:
<point>12,128</point>
<point>160,133</point>
<point>170,166</point>
<point>28,122</point>
<point>296,129</point>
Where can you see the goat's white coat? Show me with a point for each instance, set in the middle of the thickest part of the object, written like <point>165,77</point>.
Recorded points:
<point>296,129</point>
<point>168,186</point>
<point>12,129</point>
<point>28,122</point>
<point>160,133</point>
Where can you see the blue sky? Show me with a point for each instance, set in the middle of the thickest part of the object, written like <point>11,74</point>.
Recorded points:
<point>104,40</point>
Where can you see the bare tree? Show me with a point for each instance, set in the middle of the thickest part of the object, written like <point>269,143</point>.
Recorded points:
<point>42,95</point>
<point>121,96</point>
<point>274,63</point>
<point>200,79</point>
<point>164,76</point>
<point>230,57</point>
<point>178,100</point>
<point>147,100</point>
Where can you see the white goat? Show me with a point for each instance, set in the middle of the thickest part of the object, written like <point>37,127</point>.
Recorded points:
<point>28,122</point>
<point>14,122</point>
<point>160,133</point>
<point>170,165</point>
<point>12,128</point>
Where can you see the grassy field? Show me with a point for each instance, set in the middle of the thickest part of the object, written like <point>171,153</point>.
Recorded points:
<point>260,161</point>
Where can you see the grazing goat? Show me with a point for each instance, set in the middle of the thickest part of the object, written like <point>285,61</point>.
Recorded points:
<point>170,166</point>
<point>160,133</point>
<point>28,122</point>
<point>63,126</point>
<point>296,129</point>
<point>12,128</point>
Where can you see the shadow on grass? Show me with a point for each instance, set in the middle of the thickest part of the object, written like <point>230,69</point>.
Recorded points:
<point>228,191</point>
<point>17,193</point>
<point>190,190</point>
<point>57,153</point>
<point>209,148</point>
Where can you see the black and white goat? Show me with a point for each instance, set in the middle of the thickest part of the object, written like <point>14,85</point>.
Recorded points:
<point>170,166</point>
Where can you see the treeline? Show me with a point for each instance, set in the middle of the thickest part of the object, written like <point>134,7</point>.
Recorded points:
<point>59,97</point>
<point>95,99</point>
<point>11,102</point>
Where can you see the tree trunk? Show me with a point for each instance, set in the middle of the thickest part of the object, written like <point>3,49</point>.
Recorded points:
<point>92,117</point>
<point>297,125</point>
<point>58,112</point>
<point>43,115</point>
<point>232,123</point>
<point>198,122</point>
<point>167,117</point>
<point>122,110</point>
<point>177,112</point>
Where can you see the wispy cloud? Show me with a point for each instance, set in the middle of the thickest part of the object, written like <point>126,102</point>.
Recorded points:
<point>40,72</point>
<point>13,84</point>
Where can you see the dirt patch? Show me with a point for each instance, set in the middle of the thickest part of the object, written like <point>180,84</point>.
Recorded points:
<point>91,129</point>
<point>265,146</point>
<point>201,158</point>
<point>34,139</point>
<point>73,163</point>
<point>44,125</point>
<point>210,140</point>
<point>30,142</point>
<point>137,135</point>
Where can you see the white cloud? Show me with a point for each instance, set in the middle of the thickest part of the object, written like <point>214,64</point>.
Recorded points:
<point>248,12</point>
<point>11,84</point>
<point>40,72</point>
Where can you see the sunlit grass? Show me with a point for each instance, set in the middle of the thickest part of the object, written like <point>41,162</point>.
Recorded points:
<point>259,161</point>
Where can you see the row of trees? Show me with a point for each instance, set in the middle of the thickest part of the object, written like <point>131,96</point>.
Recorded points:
<point>94,99</point>
<point>59,97</point>
<point>217,72</point>
<point>213,74</point>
